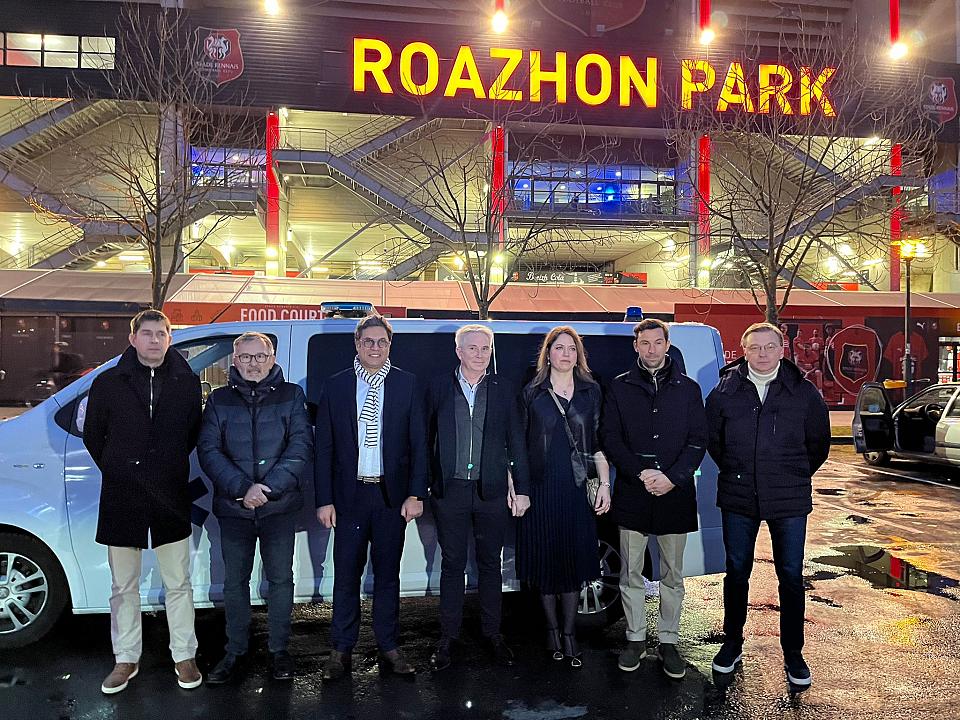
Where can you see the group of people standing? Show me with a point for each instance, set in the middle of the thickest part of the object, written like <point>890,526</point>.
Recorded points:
<point>382,447</point>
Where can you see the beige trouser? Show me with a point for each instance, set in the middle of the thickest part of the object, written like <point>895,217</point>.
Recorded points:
<point>125,624</point>
<point>632,547</point>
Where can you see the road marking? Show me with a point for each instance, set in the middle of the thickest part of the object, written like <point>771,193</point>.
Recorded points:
<point>895,474</point>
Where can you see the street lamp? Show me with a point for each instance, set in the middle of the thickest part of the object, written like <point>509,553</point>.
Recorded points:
<point>909,250</point>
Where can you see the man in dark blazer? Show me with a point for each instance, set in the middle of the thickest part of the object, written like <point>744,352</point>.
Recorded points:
<point>654,431</point>
<point>371,479</point>
<point>141,424</point>
<point>479,478</point>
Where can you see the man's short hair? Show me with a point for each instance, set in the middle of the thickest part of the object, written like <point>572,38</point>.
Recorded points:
<point>373,321</point>
<point>150,315</point>
<point>250,336</point>
<point>651,324</point>
<point>761,327</point>
<point>473,329</point>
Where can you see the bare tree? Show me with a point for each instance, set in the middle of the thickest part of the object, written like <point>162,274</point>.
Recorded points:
<point>491,223</point>
<point>802,173</point>
<point>160,162</point>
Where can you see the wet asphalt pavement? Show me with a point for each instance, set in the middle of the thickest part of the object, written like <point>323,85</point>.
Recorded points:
<point>883,640</point>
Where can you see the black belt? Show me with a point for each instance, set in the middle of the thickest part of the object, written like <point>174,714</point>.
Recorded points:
<point>370,479</point>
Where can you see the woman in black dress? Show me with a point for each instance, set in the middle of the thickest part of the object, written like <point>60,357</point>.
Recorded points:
<point>557,536</point>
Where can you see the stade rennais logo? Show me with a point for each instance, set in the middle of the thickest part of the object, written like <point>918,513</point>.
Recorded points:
<point>220,58</point>
<point>939,98</point>
<point>595,18</point>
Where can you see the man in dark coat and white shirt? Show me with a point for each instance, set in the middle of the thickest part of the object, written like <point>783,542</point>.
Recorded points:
<point>769,433</point>
<point>654,431</point>
<point>255,445</point>
<point>479,479</point>
<point>371,480</point>
<point>141,424</point>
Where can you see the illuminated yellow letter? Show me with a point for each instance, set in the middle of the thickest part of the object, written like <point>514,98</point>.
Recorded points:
<point>775,82</point>
<point>735,90</point>
<point>630,79</point>
<point>689,86</point>
<point>406,68</point>
<point>513,58</point>
<point>465,62</point>
<point>376,68</point>
<point>538,76</point>
<point>606,79</point>
<point>811,89</point>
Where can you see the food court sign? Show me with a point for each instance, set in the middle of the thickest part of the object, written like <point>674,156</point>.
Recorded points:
<point>516,75</point>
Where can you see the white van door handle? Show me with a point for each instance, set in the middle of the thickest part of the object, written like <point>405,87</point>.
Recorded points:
<point>35,466</point>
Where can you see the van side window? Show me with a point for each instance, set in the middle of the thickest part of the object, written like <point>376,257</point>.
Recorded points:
<point>210,358</point>
<point>423,354</point>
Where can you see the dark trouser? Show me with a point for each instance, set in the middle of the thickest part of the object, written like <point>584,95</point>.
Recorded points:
<point>460,508</point>
<point>367,522</point>
<point>739,538</point>
<point>238,541</point>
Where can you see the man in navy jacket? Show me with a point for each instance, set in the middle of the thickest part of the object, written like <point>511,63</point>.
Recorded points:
<point>255,445</point>
<point>371,479</point>
<point>769,433</point>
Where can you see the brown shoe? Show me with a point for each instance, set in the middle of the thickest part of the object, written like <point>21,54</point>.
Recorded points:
<point>394,661</point>
<point>336,666</point>
<point>188,674</point>
<point>117,680</point>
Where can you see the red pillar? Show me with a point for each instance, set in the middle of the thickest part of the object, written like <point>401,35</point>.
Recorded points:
<point>273,185</point>
<point>703,196</point>
<point>703,165</point>
<point>896,168</point>
<point>498,182</point>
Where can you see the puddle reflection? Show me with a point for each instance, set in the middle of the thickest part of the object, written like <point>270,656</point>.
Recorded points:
<point>884,570</point>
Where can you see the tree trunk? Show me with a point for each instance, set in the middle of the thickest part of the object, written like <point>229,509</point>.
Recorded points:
<point>483,310</point>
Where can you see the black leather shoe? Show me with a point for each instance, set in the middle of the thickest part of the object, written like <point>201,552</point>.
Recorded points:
<point>226,670</point>
<point>441,658</point>
<point>394,662</point>
<point>336,666</point>
<point>500,650</point>
<point>283,666</point>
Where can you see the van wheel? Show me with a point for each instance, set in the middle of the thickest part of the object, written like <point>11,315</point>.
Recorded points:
<point>600,602</point>
<point>33,590</point>
<point>877,459</point>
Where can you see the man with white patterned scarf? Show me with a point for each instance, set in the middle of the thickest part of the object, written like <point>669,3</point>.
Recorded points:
<point>371,479</point>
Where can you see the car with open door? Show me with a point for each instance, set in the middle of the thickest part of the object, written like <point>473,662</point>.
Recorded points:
<point>924,427</point>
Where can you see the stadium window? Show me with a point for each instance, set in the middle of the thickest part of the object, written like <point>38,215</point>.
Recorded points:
<point>57,51</point>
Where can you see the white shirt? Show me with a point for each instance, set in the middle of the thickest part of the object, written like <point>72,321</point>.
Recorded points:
<point>370,458</point>
<point>469,391</point>
<point>762,380</point>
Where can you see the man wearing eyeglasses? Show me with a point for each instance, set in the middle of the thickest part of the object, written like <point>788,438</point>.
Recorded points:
<point>769,433</point>
<point>255,444</point>
<point>371,480</point>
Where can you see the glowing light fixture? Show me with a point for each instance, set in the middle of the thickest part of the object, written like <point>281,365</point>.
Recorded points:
<point>272,252</point>
<point>898,51</point>
<point>707,36</point>
<point>500,20</point>
<point>271,7</point>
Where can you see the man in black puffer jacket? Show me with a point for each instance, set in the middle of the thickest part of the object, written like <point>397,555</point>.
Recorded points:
<point>769,433</point>
<point>255,445</point>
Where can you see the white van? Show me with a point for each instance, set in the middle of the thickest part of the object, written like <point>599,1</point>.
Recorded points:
<point>50,487</point>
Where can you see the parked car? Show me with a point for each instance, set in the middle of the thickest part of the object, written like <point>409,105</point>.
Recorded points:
<point>924,427</point>
<point>51,487</point>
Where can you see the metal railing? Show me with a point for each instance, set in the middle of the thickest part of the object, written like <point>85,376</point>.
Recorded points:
<point>39,251</point>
